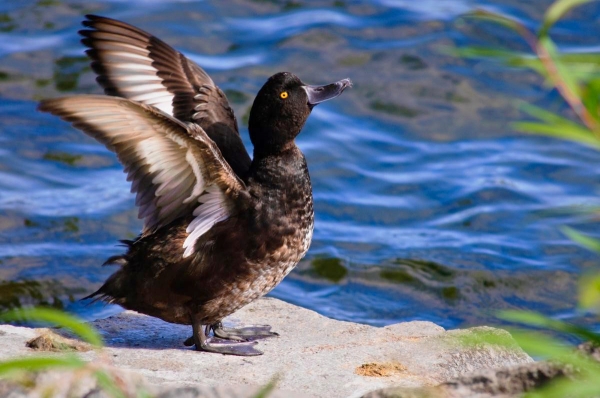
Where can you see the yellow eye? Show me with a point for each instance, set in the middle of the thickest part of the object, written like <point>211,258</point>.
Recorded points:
<point>283,94</point>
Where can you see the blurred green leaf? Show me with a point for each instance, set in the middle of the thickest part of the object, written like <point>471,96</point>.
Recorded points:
<point>590,96</point>
<point>510,58</point>
<point>268,388</point>
<point>485,52</point>
<point>546,116</point>
<point>55,317</point>
<point>589,292</point>
<point>497,18</point>
<point>592,59</point>
<point>584,387</point>
<point>107,383</point>
<point>540,345</point>
<point>577,78</point>
<point>555,126</point>
<point>556,11</point>
<point>565,133</point>
<point>537,344</point>
<point>585,241</point>
<point>582,67</point>
<point>40,363</point>
<point>531,318</point>
<point>563,74</point>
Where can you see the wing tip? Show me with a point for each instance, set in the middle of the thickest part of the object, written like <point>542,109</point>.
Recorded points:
<point>48,105</point>
<point>90,19</point>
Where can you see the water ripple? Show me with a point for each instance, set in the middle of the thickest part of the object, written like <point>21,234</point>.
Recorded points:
<point>287,24</point>
<point>431,9</point>
<point>407,226</point>
<point>92,193</point>
<point>52,249</point>
<point>227,62</point>
<point>11,43</point>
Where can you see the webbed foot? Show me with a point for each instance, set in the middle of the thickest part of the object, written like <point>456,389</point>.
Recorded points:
<point>250,332</point>
<point>214,344</point>
<point>228,347</point>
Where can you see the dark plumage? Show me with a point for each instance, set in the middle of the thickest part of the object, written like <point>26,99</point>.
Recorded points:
<point>220,230</point>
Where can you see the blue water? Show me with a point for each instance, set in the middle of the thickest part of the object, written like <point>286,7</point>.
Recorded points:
<point>428,204</point>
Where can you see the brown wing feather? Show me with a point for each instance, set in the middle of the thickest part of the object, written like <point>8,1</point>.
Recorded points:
<point>133,64</point>
<point>172,167</point>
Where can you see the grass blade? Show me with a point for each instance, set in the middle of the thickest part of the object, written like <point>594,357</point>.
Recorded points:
<point>40,363</point>
<point>556,11</point>
<point>583,137</point>
<point>563,74</point>
<point>496,18</point>
<point>535,319</point>
<point>107,383</point>
<point>545,115</point>
<point>268,388</point>
<point>589,292</point>
<point>57,318</point>
<point>585,241</point>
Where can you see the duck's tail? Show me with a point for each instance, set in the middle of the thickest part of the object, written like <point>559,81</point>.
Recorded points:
<point>119,260</point>
<point>111,291</point>
<point>98,295</point>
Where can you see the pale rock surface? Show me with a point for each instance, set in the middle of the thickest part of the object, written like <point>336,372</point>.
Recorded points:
<point>314,356</point>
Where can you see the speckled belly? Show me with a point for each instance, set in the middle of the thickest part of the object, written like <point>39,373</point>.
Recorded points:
<point>265,275</point>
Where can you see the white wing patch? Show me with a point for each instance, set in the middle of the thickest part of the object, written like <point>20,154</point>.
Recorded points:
<point>132,69</point>
<point>214,208</point>
<point>175,169</point>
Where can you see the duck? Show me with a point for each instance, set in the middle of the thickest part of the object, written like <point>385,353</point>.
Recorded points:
<point>220,229</point>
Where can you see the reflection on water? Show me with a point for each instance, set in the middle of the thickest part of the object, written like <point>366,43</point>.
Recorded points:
<point>14,294</point>
<point>330,269</point>
<point>402,289</point>
<point>428,206</point>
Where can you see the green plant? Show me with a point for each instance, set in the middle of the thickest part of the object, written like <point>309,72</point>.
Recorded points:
<point>19,368</point>
<point>576,77</point>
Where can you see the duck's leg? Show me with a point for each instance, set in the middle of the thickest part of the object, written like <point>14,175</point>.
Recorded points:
<point>212,344</point>
<point>250,332</point>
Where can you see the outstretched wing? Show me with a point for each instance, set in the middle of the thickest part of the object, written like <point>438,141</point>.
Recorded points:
<point>175,169</point>
<point>133,64</point>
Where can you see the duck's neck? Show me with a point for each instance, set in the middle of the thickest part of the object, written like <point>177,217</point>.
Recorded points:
<point>273,149</point>
<point>284,167</point>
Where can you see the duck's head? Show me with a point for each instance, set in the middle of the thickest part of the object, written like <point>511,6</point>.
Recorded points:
<point>281,108</point>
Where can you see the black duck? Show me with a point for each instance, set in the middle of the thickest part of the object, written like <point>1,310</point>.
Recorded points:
<point>220,230</point>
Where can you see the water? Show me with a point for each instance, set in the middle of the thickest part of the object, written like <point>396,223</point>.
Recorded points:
<point>428,205</point>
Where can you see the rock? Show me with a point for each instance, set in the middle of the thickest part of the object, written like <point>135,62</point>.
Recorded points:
<point>509,382</point>
<point>384,369</point>
<point>50,341</point>
<point>314,355</point>
<point>591,349</point>
<point>64,383</point>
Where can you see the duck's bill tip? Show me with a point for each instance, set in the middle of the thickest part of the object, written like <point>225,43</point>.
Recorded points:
<point>318,94</point>
<point>347,83</point>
